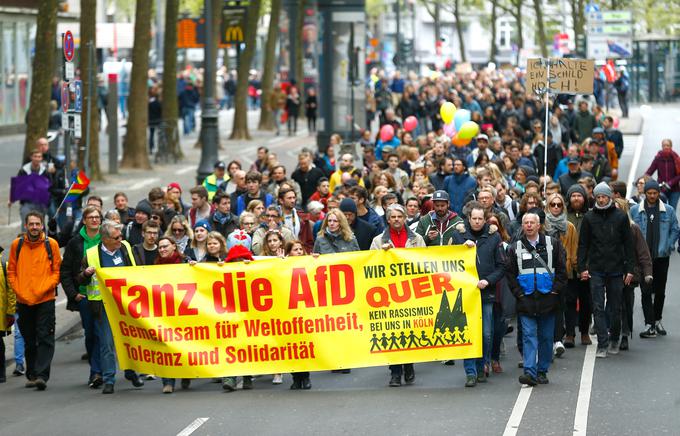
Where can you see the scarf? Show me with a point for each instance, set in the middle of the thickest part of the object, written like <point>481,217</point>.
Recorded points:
<point>606,206</point>
<point>182,243</point>
<point>174,258</point>
<point>221,217</point>
<point>556,225</point>
<point>675,156</point>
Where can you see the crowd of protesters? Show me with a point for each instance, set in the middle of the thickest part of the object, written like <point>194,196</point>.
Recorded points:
<point>562,253</point>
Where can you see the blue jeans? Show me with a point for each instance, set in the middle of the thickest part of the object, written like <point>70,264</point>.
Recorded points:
<point>537,342</point>
<point>19,346</point>
<point>612,285</point>
<point>91,338</point>
<point>107,351</point>
<point>475,366</point>
<point>673,198</point>
<point>188,118</point>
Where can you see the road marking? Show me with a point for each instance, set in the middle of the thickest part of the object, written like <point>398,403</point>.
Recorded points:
<point>632,174</point>
<point>192,427</point>
<point>583,403</point>
<point>518,411</point>
<point>143,183</point>
<point>12,224</point>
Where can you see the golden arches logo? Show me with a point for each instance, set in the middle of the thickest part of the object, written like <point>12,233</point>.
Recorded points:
<point>233,34</point>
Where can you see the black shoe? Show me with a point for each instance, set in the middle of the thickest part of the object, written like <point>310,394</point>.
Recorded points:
<point>247,383</point>
<point>135,379</point>
<point>449,362</point>
<point>624,343</point>
<point>19,370</point>
<point>30,383</point>
<point>297,384</point>
<point>649,333</point>
<point>471,381</point>
<point>526,379</point>
<point>229,384</point>
<point>481,377</point>
<point>186,382</point>
<point>306,383</point>
<point>509,330</point>
<point>659,329</point>
<point>40,384</point>
<point>85,356</point>
<point>542,378</point>
<point>96,382</point>
<point>108,388</point>
<point>395,381</point>
<point>409,374</point>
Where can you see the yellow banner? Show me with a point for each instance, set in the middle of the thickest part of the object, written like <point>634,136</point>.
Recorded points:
<point>350,310</point>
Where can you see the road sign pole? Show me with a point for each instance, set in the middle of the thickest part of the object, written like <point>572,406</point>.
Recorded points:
<point>547,117</point>
<point>112,104</point>
<point>90,48</point>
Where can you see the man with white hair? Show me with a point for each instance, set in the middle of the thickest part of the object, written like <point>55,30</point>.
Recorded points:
<point>536,273</point>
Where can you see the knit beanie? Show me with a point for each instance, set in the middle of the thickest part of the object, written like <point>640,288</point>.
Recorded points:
<point>603,189</point>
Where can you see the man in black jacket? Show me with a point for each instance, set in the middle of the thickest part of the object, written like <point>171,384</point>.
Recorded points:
<point>605,256</point>
<point>306,175</point>
<point>475,233</point>
<point>76,295</point>
<point>363,231</point>
<point>536,273</point>
<point>222,220</point>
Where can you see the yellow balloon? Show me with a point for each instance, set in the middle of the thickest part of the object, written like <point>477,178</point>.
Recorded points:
<point>447,111</point>
<point>468,130</point>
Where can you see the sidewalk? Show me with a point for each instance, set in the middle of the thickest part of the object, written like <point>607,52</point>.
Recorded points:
<point>137,183</point>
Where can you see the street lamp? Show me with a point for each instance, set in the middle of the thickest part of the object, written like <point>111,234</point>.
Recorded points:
<point>209,136</point>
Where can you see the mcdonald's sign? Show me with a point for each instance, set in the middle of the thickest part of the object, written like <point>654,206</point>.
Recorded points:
<point>233,26</point>
<point>233,34</point>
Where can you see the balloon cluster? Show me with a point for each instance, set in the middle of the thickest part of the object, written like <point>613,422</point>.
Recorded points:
<point>457,124</point>
<point>387,131</point>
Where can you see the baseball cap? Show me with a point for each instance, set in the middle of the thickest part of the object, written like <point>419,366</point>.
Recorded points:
<point>482,136</point>
<point>440,196</point>
<point>572,160</point>
<point>221,165</point>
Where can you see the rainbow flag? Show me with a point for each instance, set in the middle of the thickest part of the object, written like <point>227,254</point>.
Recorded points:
<point>77,188</point>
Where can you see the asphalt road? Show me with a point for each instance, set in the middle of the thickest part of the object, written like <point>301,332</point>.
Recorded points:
<point>633,393</point>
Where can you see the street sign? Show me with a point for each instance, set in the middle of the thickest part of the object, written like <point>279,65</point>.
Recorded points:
<point>232,28</point>
<point>78,103</point>
<point>69,46</point>
<point>610,34</point>
<point>567,76</point>
<point>77,126</point>
<point>65,97</point>
<point>64,120</point>
<point>69,71</point>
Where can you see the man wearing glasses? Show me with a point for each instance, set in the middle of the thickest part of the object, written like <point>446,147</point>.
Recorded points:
<point>86,238</point>
<point>111,252</point>
<point>146,252</point>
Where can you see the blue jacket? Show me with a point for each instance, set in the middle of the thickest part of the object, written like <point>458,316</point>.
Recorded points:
<point>561,169</point>
<point>668,226</point>
<point>459,186</point>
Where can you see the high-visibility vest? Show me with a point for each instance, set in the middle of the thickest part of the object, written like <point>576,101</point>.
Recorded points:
<point>532,275</point>
<point>92,254</point>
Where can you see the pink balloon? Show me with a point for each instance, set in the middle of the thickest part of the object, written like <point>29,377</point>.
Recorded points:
<point>450,129</point>
<point>616,123</point>
<point>386,133</point>
<point>410,123</point>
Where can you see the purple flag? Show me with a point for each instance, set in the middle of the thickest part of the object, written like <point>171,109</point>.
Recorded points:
<point>32,188</point>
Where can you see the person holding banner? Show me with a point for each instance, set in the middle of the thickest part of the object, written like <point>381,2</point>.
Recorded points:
<point>537,274</point>
<point>476,233</point>
<point>301,380</point>
<point>111,252</point>
<point>196,249</point>
<point>335,235</point>
<point>398,235</point>
<point>168,254</point>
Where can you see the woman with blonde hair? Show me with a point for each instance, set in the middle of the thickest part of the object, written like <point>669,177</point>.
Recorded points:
<point>335,235</point>
<point>257,208</point>
<point>180,230</point>
<point>557,226</point>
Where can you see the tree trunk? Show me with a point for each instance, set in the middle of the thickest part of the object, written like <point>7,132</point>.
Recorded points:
<point>240,129</point>
<point>135,146</point>
<point>494,30</point>
<point>540,28</point>
<point>299,51</point>
<point>459,30</point>
<point>88,37</point>
<point>266,114</point>
<point>520,29</point>
<point>437,23</point>
<point>41,79</point>
<point>169,91</point>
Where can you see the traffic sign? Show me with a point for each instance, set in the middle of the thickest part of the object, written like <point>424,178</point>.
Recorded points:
<point>65,97</point>
<point>69,71</point>
<point>78,103</point>
<point>69,46</point>
<point>77,126</point>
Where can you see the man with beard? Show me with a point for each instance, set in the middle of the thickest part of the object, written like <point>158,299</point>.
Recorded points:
<point>363,231</point>
<point>439,225</point>
<point>346,166</point>
<point>573,174</point>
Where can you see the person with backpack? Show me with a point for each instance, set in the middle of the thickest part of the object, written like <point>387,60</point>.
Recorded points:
<point>33,273</point>
<point>7,311</point>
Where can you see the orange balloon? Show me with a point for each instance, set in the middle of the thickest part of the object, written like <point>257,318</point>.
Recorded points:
<point>459,142</point>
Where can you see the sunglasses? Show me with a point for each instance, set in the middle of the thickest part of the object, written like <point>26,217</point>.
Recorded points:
<point>178,230</point>
<point>555,204</point>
